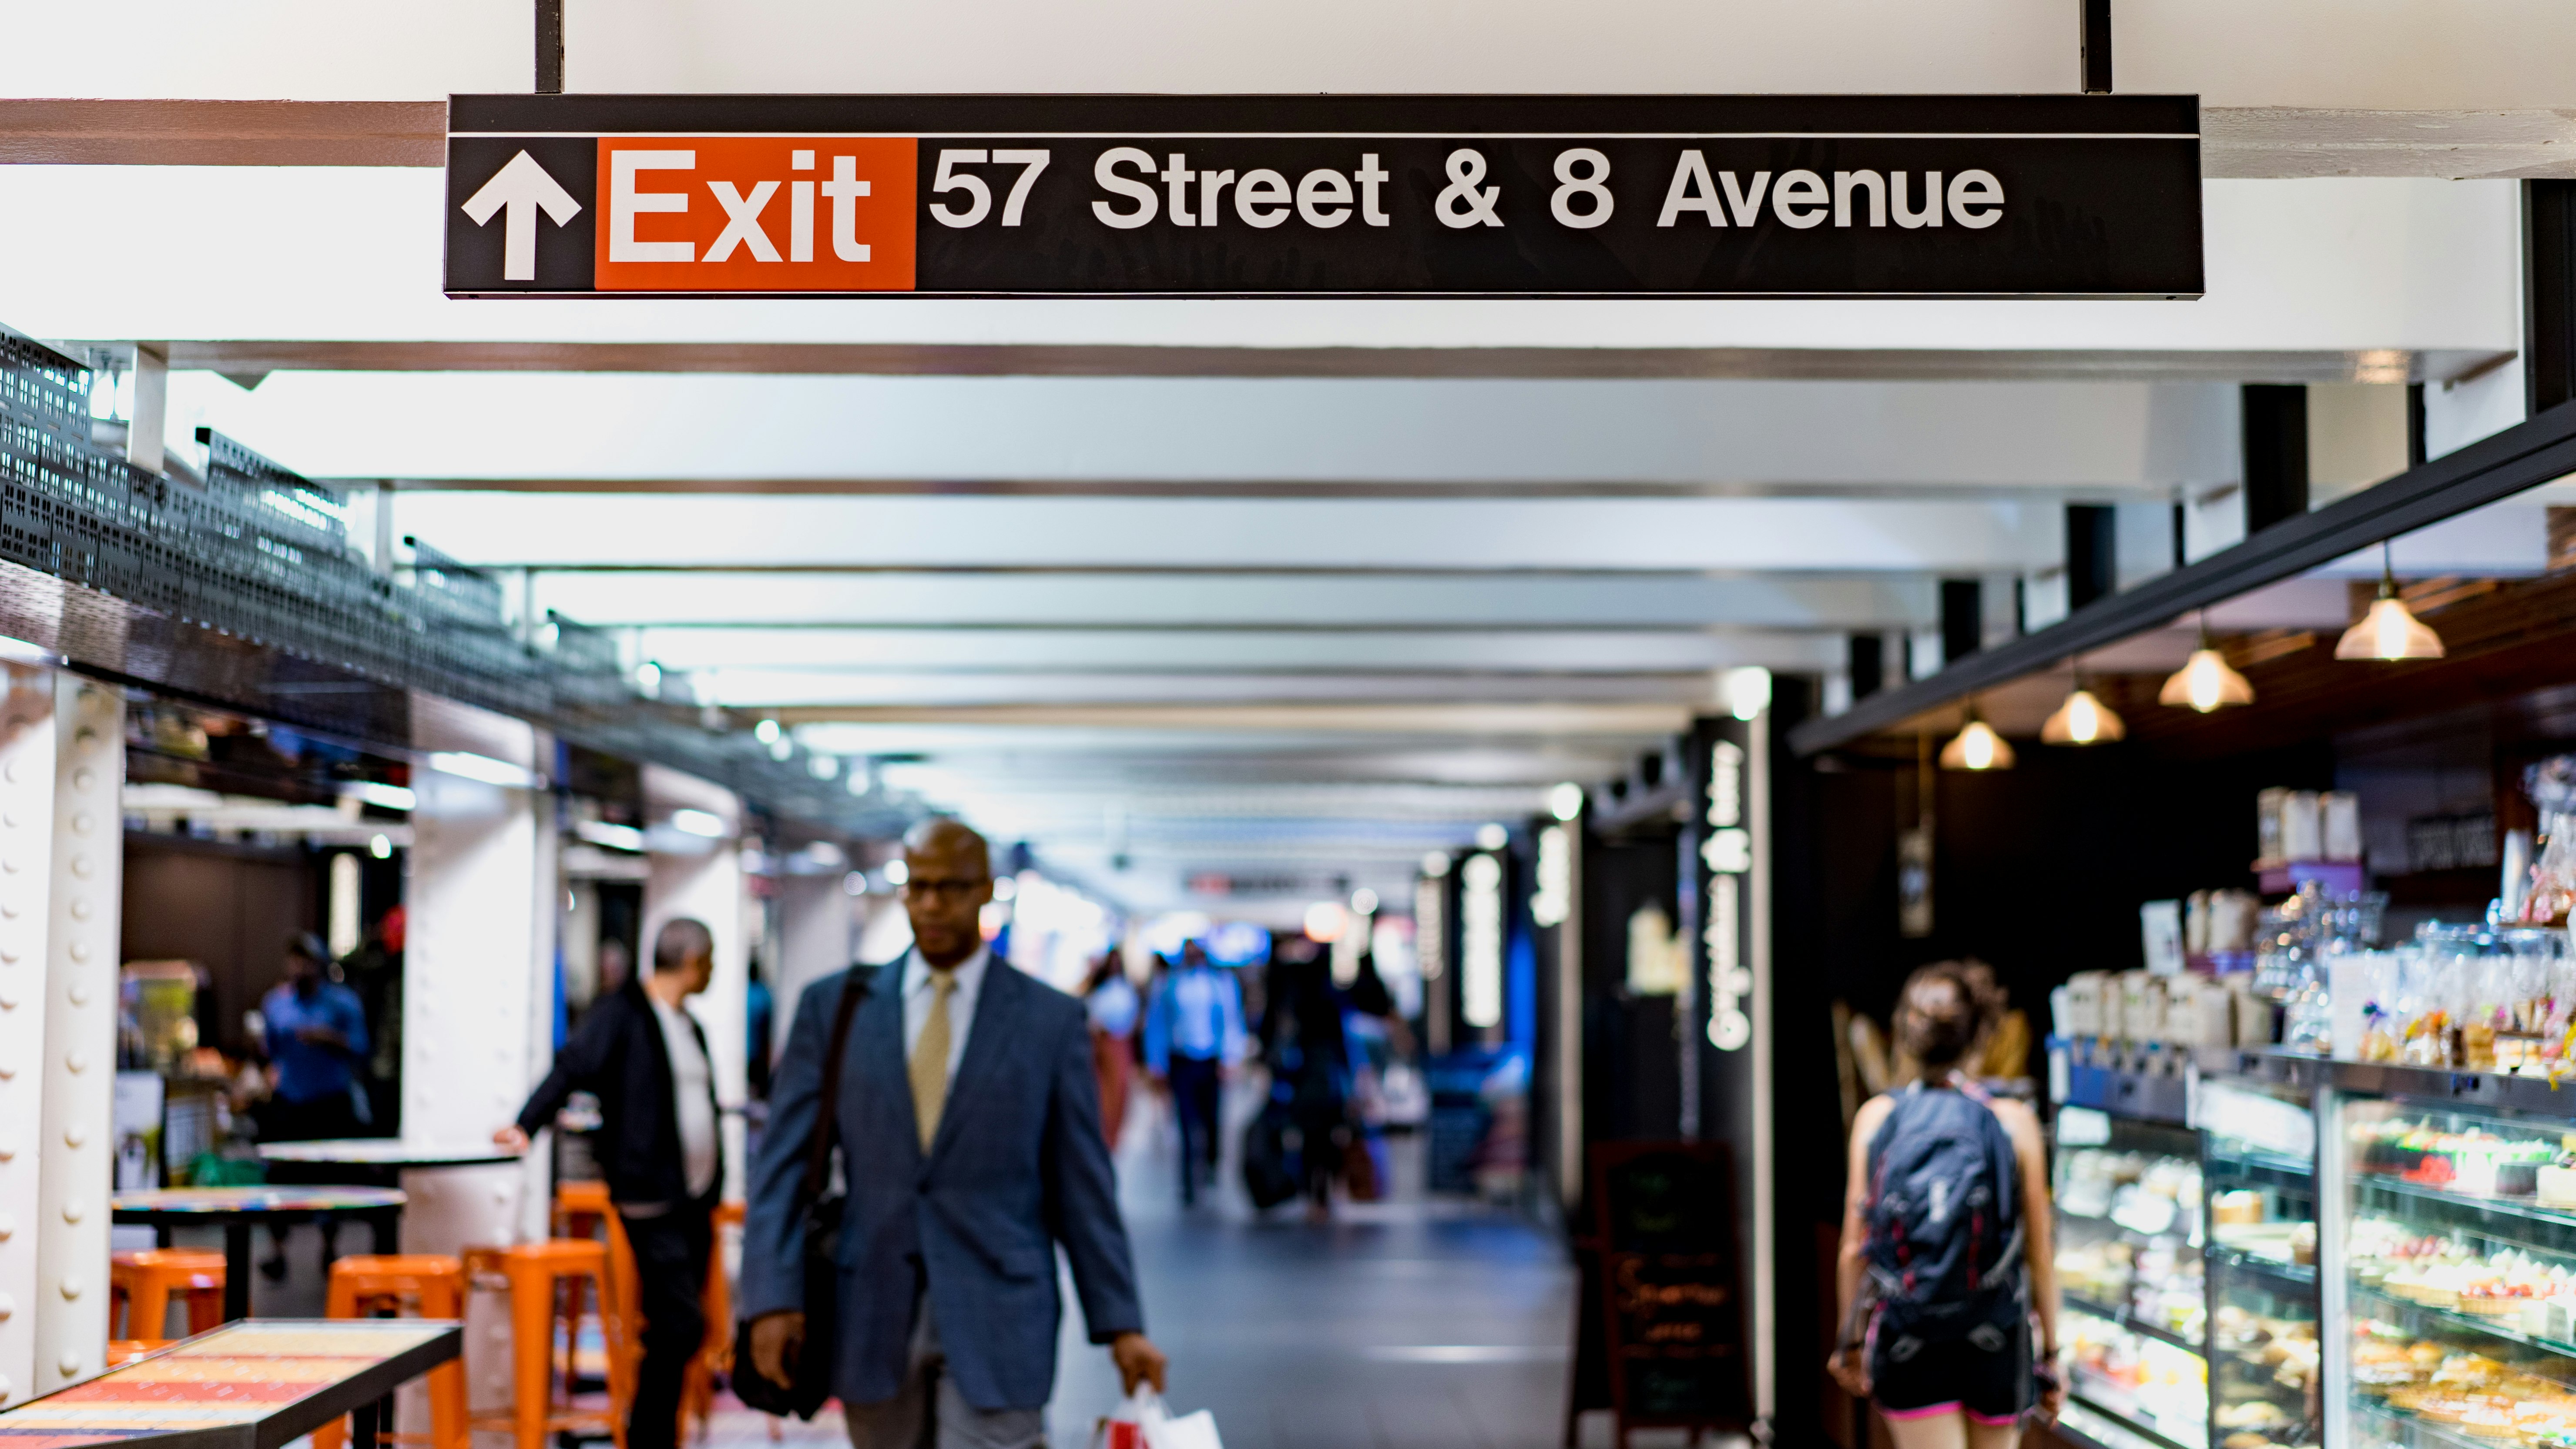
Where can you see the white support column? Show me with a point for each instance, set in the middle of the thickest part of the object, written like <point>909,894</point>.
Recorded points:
<point>818,932</point>
<point>479,961</point>
<point>26,837</point>
<point>701,877</point>
<point>87,869</point>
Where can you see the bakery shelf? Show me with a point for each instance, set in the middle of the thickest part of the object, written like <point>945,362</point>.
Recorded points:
<point>2299,1278</point>
<point>2519,1220</point>
<point>2087,1425</point>
<point>2409,1432</point>
<point>2241,1165</point>
<point>2105,1399</point>
<point>2420,1315</point>
<point>2130,1321</point>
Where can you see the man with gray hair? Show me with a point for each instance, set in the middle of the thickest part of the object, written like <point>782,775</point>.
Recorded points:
<point>642,1054</point>
<point>968,1122</point>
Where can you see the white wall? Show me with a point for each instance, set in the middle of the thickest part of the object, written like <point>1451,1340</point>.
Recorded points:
<point>2377,53</point>
<point>707,885</point>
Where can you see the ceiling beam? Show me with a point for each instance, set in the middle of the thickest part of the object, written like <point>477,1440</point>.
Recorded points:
<point>2236,141</point>
<point>1537,719</point>
<point>2141,491</point>
<point>46,132</point>
<point>253,358</point>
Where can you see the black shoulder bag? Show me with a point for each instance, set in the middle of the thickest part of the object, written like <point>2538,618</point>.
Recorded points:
<point>812,1371</point>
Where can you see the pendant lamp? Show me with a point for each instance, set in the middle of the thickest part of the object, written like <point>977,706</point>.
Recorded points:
<point>1977,747</point>
<point>2206,681</point>
<point>2082,720</point>
<point>2390,630</point>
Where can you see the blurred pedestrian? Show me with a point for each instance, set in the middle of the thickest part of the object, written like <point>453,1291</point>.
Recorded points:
<point>1109,1000</point>
<point>1193,1033</point>
<point>315,1032</point>
<point>1310,1066</point>
<point>644,1056</point>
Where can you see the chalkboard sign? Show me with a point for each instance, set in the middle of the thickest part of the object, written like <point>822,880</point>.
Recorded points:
<point>1671,1310</point>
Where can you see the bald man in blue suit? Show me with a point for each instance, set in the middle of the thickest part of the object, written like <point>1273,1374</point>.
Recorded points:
<point>969,1124</point>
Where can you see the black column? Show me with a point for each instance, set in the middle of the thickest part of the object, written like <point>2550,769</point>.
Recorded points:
<point>2096,43</point>
<point>2276,454</point>
<point>2092,553</point>
<point>2549,292</point>
<point>1867,664</point>
<point>1963,619</point>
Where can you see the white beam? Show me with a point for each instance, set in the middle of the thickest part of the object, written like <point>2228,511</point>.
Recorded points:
<point>1766,436</point>
<point>1618,534</point>
<point>2336,266</point>
<point>747,653</point>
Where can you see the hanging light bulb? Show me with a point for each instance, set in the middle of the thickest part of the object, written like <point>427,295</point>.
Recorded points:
<point>2206,681</point>
<point>1977,747</point>
<point>2390,630</point>
<point>2082,720</point>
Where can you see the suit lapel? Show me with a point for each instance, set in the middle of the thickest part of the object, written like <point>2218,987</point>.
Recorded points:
<point>997,1009</point>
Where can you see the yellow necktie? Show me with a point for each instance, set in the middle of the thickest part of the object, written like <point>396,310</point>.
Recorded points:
<point>929,1067</point>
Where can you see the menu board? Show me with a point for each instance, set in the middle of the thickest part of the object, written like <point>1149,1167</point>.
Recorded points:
<point>1671,1307</point>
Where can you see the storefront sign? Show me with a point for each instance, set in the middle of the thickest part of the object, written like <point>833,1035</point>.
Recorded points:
<point>1676,196</point>
<point>1727,851</point>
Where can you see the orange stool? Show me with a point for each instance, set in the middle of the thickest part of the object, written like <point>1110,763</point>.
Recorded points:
<point>431,1285</point>
<point>537,1275</point>
<point>146,1279</point>
<point>582,1210</point>
<point>715,1356</point>
<point>123,1351</point>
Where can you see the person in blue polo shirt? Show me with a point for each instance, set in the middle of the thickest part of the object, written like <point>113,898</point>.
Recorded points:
<point>316,1034</point>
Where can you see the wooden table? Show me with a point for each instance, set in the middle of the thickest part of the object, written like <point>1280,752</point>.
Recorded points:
<point>256,1384</point>
<point>236,1209</point>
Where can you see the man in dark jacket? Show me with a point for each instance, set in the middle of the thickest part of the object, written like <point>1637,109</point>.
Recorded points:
<point>642,1055</point>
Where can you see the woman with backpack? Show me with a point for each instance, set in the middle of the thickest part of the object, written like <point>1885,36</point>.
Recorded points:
<point>1945,1250</point>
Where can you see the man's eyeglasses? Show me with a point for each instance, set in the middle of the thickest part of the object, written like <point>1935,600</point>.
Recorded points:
<point>934,887</point>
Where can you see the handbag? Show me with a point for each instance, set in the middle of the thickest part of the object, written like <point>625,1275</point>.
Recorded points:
<point>812,1371</point>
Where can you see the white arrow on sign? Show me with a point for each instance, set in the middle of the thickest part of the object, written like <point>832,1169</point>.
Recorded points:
<point>521,188</point>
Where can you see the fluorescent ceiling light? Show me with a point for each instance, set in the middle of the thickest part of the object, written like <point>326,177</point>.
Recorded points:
<point>484,768</point>
<point>698,822</point>
<point>615,837</point>
<point>387,797</point>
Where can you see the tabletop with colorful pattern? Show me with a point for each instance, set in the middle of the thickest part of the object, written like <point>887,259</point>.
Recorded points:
<point>253,1384</point>
<point>237,1201</point>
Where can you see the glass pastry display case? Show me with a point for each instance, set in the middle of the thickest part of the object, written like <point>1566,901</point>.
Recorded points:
<point>2128,1243</point>
<point>2258,1168</point>
<point>2451,1247</point>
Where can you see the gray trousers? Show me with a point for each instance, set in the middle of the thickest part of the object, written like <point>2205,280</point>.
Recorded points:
<point>929,1413</point>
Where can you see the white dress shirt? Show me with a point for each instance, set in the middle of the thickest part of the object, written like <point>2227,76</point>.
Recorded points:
<point>918,994</point>
<point>695,1109</point>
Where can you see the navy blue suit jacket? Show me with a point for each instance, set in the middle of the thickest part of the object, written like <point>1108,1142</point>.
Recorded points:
<point>1018,1166</point>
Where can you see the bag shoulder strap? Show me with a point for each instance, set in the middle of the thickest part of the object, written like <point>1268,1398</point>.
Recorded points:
<point>818,1150</point>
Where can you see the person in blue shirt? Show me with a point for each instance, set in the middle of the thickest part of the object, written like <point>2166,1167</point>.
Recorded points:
<point>1193,1034</point>
<point>315,1032</point>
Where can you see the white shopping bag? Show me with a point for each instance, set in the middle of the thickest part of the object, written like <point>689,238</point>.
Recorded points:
<point>1141,1422</point>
